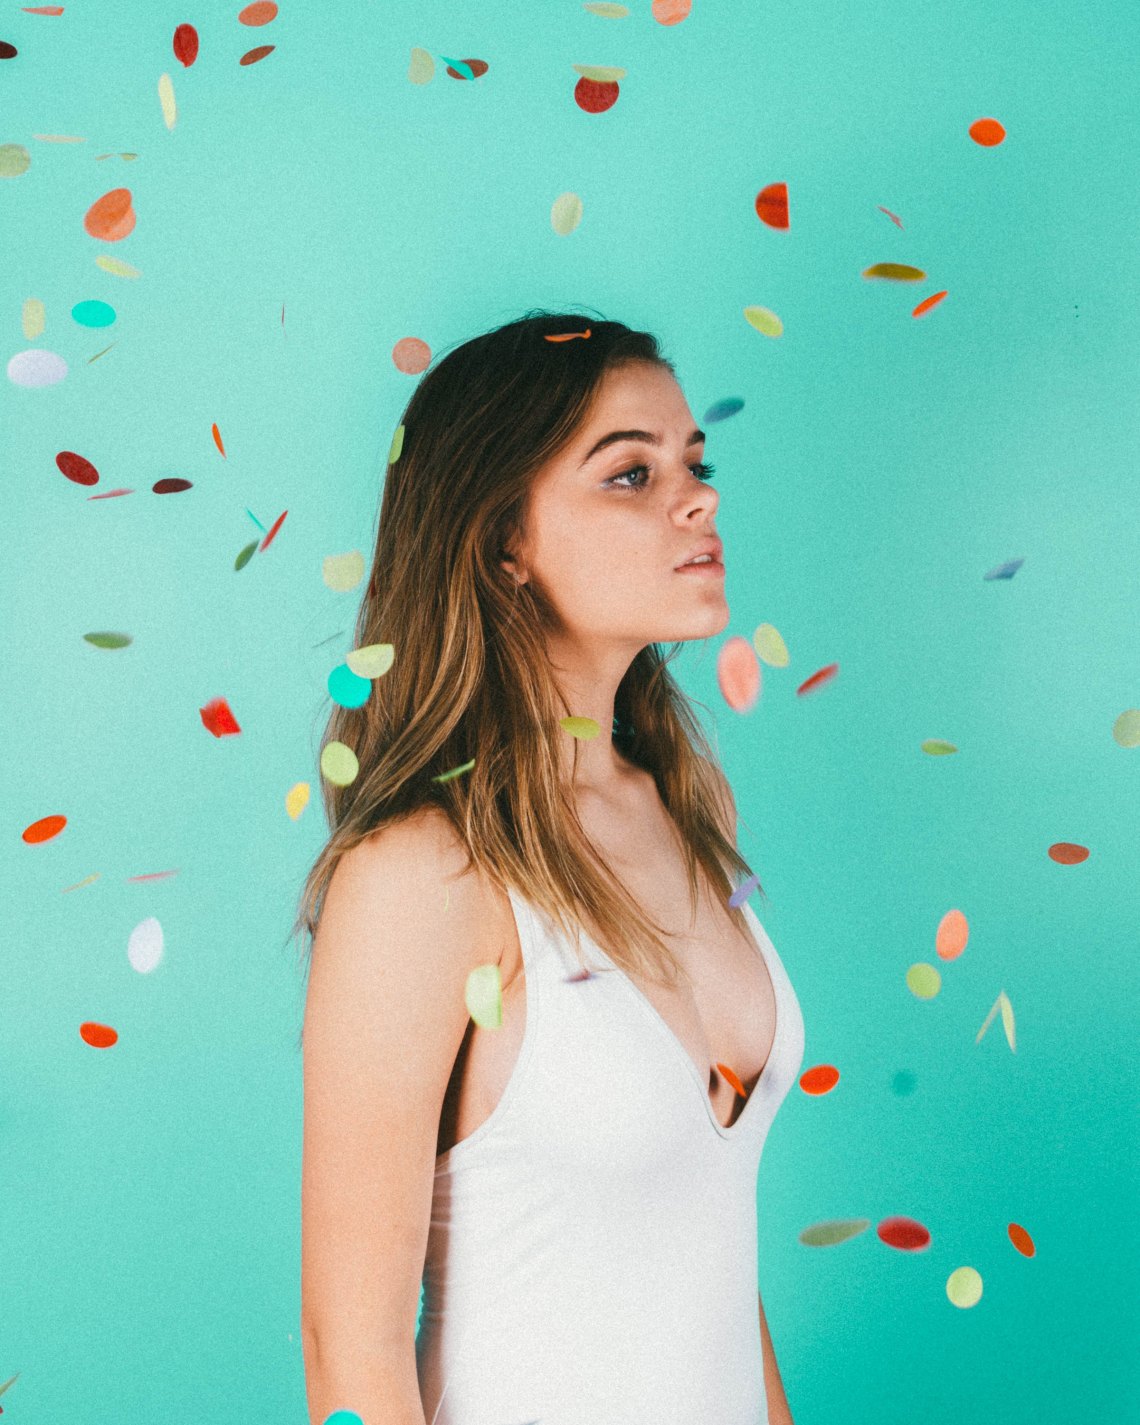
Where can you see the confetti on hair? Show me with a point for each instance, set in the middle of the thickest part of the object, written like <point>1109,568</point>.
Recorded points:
<point>568,336</point>
<point>455,771</point>
<point>339,764</point>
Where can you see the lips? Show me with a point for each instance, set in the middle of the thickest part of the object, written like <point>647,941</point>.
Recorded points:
<point>711,547</point>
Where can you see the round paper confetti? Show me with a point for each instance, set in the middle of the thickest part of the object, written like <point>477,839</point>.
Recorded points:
<point>111,217</point>
<point>483,997</point>
<point>770,646</point>
<point>411,355</point>
<point>346,688</point>
<point>938,747</point>
<point>259,13</point>
<point>1126,728</point>
<point>36,367</point>
<point>951,936</point>
<point>923,980</point>
<point>964,1287</point>
<point>671,12</point>
<point>1068,853</point>
<point>145,946</point>
<point>185,45</point>
<point>338,764</point>
<point>371,661</point>
<point>594,97</point>
<point>772,205</point>
<point>738,674</point>
<point>99,1036</point>
<point>565,213</point>
<point>987,132</point>
<point>93,313</point>
<point>14,160</point>
<point>765,321</point>
<point>77,468</point>
<point>721,410</point>
<point>108,640</point>
<point>1021,1240</point>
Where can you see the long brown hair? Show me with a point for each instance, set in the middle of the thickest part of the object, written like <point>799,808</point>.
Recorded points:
<point>470,680</point>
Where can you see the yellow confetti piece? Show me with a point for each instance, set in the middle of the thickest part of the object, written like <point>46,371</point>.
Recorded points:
<point>455,771</point>
<point>770,646</point>
<point>342,572</point>
<point>764,320</point>
<point>116,266</point>
<point>166,99</point>
<point>607,11</point>
<point>584,727</point>
<point>421,68</point>
<point>1126,728</point>
<point>483,996</point>
<point>297,799</point>
<point>338,764</point>
<point>397,444</point>
<point>938,747</point>
<point>895,271</point>
<point>565,213</point>
<point>34,318</point>
<point>371,661</point>
<point>923,980</point>
<point>601,73</point>
<point>1002,1003</point>
<point>964,1286</point>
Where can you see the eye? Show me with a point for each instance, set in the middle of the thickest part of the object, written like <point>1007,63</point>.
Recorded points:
<point>703,471</point>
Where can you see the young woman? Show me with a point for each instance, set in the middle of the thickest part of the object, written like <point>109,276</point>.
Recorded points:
<point>574,1187</point>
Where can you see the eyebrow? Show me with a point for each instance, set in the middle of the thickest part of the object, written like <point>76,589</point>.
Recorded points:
<point>647,435</point>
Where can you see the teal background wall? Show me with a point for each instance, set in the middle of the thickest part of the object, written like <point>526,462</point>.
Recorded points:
<point>880,467</point>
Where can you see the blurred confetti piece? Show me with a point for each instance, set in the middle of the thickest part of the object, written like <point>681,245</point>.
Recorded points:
<point>346,689</point>
<point>185,45</point>
<point>99,1036</point>
<point>259,13</point>
<point>455,771</point>
<point>1068,853</point>
<point>36,367</point>
<point>115,266</point>
<point>1021,1240</point>
<point>272,535</point>
<point>218,719</point>
<point>246,555</point>
<point>297,799</point>
<point>483,996</point>
<point>818,679</point>
<point>964,1287</point>
<point>1002,1003</point>
<point>987,132</point>
<point>585,728</point>
<point>951,936</point>
<point>744,890</point>
<point>567,336</point>
<point>923,980</point>
<point>77,468</point>
<point>145,946</point>
<point>43,830</point>
<point>86,881</point>
<point>904,1234</point>
<point>819,1079</point>
<point>938,747</point>
<point>339,764</point>
<point>342,572</point>
<point>772,205</point>
<point>253,56</point>
<point>397,444</point>
<point>14,160</point>
<point>764,320</point>
<point>770,646</point>
<point>834,1231</point>
<point>216,433</point>
<point>606,10</point>
<point>254,518</point>
<point>1126,728</point>
<point>150,876</point>
<point>411,355</point>
<point>465,68</point>
<point>565,213</point>
<point>671,12</point>
<point>895,272</point>
<point>33,317</point>
<point>737,1087</point>
<point>1005,571</point>
<point>722,410</point>
<point>111,217</point>
<point>8,1382</point>
<point>371,661</point>
<point>421,67</point>
<point>897,221</point>
<point>108,640</point>
<point>738,674</point>
<point>927,303</point>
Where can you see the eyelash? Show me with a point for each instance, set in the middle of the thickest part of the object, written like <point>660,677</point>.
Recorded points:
<point>704,469</point>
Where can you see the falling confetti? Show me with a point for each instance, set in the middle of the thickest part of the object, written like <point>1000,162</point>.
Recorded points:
<point>951,936</point>
<point>565,213</point>
<point>819,1079</point>
<point>597,89</point>
<point>1005,571</point>
<point>1068,853</point>
<point>1021,1240</point>
<point>346,689</point>
<point>938,747</point>
<point>99,1036</point>
<point>421,66</point>
<point>216,433</point>
<point>770,646</point>
<point>93,314</point>
<point>43,830</point>
<point>218,719</point>
<point>927,303</point>
<point>14,160</point>
<point>831,1233</point>
<point>744,890</point>
<point>77,468</point>
<point>111,217</point>
<point>261,12</point>
<point>1126,728</point>
<point>923,980</point>
<point>764,320</point>
<point>185,45</point>
<point>895,272</point>
<point>772,205</point>
<point>272,535</point>
<point>145,946</point>
<point>903,1233</point>
<point>342,572</point>
<point>465,68</point>
<point>246,555</point>
<point>964,1287</point>
<point>482,994</point>
<point>1002,1003</point>
<point>411,355</point>
<point>722,410</point>
<point>671,12</point>
<point>254,55</point>
<point>297,799</point>
<point>339,764</point>
<point>737,1087</point>
<point>371,661</point>
<point>987,132</point>
<point>109,640</point>
<point>36,367</point>
<point>738,674</point>
<point>897,221</point>
<point>818,679</point>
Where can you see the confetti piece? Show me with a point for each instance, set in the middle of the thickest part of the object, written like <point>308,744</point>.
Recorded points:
<point>77,468</point>
<point>218,719</point>
<point>216,433</point>
<point>744,890</point>
<point>99,1036</point>
<point>86,881</point>
<point>593,96</point>
<point>1021,1240</point>
<point>272,535</point>
<point>951,936</point>
<point>455,771</point>
<point>895,272</point>
<point>343,1417</point>
<point>171,485</point>
<point>465,68</point>
<point>252,56</point>
<point>482,994</point>
<point>411,355</point>
<point>671,12</point>
<point>606,10</point>
<point>339,764</point>
<point>36,367</point>
<point>297,799</point>
<point>45,829</point>
<point>831,1233</point>
<point>109,640</point>
<point>151,876</point>
<point>145,946</point>
<point>1126,728</point>
<point>254,518</point>
<point>1002,1003</point>
<point>111,217</point>
<point>738,674</point>
<point>584,727</point>
<point>819,1079</point>
<point>33,318</point>
<point>397,445</point>
<point>14,160</point>
<point>93,313</point>
<point>818,679</point>
<point>185,45</point>
<point>259,13</point>
<point>987,132</point>
<point>1005,571</point>
<point>927,302</point>
<point>565,213</point>
<point>346,689</point>
<point>721,410</point>
<point>964,1287</point>
<point>166,100</point>
<point>568,336</point>
<point>371,661</point>
<point>1068,853</point>
<point>923,980</point>
<point>737,1086</point>
<point>897,222</point>
<point>938,747</point>
<point>772,205</point>
<point>765,321</point>
<point>110,494</point>
<point>245,556</point>
<point>342,572</point>
<point>770,646</point>
<point>116,267</point>
<point>903,1233</point>
<point>421,67</point>
<point>9,51</point>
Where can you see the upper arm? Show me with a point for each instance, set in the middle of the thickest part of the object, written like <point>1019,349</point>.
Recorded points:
<point>384,1020</point>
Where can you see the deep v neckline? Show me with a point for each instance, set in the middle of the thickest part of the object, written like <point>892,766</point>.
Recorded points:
<point>655,1015</point>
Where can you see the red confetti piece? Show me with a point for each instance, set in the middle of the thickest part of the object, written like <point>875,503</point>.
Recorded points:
<point>186,45</point>
<point>277,523</point>
<point>44,829</point>
<point>928,302</point>
<point>595,96</point>
<point>987,132</point>
<point>110,494</point>
<point>897,222</point>
<point>1021,1240</point>
<point>733,1080</point>
<point>152,876</point>
<point>216,433</point>
<point>772,205</point>
<point>904,1233</point>
<point>817,680</point>
<point>819,1079</point>
<point>99,1036</point>
<point>259,13</point>
<point>111,217</point>
<point>218,719</point>
<point>476,66</point>
<point>77,468</point>
<point>171,485</point>
<point>253,55</point>
<point>568,336</point>
<point>1068,853</point>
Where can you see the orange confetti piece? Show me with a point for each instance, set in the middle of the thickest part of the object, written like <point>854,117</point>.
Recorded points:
<point>111,217</point>
<point>569,336</point>
<point>44,829</point>
<point>99,1036</point>
<point>819,1079</point>
<point>817,680</point>
<point>951,936</point>
<point>259,13</point>
<point>1068,853</point>
<point>738,674</point>
<point>1021,1240</point>
<point>987,132</point>
<point>733,1080</point>
<point>928,302</point>
<point>411,355</point>
<point>772,205</point>
<point>216,433</point>
<point>218,719</point>
<point>670,12</point>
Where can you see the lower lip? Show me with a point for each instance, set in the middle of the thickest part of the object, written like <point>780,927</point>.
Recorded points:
<point>714,569</point>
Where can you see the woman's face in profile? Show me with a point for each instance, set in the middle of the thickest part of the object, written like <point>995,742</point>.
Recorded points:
<point>607,527</point>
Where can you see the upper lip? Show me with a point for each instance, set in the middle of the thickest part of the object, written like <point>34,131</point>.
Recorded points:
<point>706,546</point>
